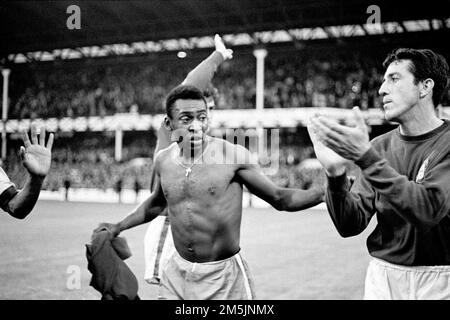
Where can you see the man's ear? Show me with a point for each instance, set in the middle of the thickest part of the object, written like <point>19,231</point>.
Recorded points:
<point>167,123</point>
<point>426,88</point>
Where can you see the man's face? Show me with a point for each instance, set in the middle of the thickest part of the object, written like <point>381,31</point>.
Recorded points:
<point>190,120</point>
<point>398,90</point>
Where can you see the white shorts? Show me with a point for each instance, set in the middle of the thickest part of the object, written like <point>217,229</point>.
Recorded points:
<point>388,281</point>
<point>158,248</point>
<point>227,279</point>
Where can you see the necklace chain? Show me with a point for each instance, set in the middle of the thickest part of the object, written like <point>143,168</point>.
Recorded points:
<point>189,168</point>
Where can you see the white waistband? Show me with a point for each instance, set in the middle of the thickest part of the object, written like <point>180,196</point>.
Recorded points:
<point>386,264</point>
<point>208,262</point>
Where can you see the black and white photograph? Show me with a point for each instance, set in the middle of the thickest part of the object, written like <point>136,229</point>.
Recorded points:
<point>229,150</point>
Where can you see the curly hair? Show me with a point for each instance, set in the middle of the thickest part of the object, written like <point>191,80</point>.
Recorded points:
<point>182,92</point>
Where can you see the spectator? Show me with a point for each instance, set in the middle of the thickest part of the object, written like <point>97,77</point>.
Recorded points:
<point>67,187</point>
<point>118,189</point>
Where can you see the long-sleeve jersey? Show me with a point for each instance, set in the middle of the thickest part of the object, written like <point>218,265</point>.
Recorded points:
<point>405,181</point>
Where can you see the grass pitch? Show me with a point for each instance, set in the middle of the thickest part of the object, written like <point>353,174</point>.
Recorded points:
<point>292,256</point>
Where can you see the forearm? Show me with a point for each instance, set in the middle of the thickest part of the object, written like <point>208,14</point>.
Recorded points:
<point>144,213</point>
<point>23,202</point>
<point>347,210</point>
<point>419,203</point>
<point>202,75</point>
<point>296,199</point>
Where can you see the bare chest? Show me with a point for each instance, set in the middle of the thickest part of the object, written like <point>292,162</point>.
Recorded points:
<point>202,181</point>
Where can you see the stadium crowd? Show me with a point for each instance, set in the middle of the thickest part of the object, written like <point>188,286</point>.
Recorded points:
<point>87,160</point>
<point>98,88</point>
<point>89,163</point>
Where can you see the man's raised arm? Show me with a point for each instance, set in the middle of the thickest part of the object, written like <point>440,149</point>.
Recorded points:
<point>202,75</point>
<point>350,211</point>
<point>36,158</point>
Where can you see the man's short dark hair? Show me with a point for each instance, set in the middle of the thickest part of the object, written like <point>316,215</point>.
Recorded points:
<point>182,92</point>
<point>424,64</point>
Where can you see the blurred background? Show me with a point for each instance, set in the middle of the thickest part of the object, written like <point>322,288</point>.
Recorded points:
<point>97,77</point>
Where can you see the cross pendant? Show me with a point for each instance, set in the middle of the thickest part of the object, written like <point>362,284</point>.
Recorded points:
<point>188,170</point>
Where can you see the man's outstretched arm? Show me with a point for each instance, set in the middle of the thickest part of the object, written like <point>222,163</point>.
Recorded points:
<point>145,212</point>
<point>282,199</point>
<point>36,158</point>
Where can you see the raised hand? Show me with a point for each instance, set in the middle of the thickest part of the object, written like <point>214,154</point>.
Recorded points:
<point>350,141</point>
<point>333,163</point>
<point>35,155</point>
<point>220,46</point>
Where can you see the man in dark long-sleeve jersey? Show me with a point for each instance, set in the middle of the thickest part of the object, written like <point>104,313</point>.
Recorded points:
<point>405,180</point>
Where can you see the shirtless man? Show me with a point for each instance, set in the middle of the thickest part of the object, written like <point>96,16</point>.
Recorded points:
<point>158,242</point>
<point>204,199</point>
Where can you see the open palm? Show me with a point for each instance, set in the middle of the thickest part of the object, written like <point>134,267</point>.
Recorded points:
<point>329,159</point>
<point>36,156</point>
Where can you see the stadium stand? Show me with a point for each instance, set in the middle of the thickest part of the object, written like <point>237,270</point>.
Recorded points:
<point>331,71</point>
<point>292,80</point>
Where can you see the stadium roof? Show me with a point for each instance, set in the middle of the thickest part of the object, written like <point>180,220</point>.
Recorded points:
<point>41,25</point>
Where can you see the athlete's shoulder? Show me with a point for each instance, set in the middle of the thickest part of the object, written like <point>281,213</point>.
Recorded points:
<point>229,147</point>
<point>442,140</point>
<point>237,154</point>
<point>162,154</point>
<point>219,142</point>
